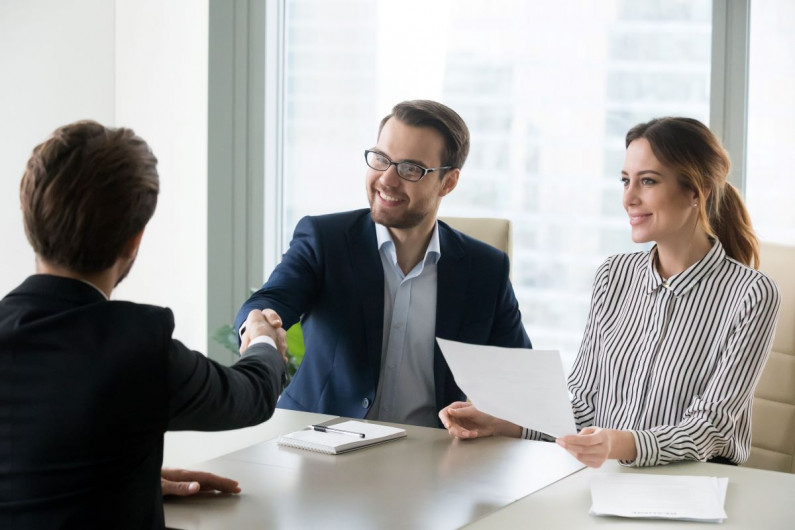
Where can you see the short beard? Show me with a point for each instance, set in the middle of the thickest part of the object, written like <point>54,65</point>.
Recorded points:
<point>409,220</point>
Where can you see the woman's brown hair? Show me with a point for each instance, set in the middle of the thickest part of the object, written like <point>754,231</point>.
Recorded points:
<point>702,164</point>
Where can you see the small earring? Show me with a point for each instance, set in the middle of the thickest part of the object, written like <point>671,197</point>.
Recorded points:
<point>695,204</point>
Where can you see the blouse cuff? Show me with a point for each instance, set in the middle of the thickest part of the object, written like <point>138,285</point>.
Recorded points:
<point>646,448</point>
<point>530,434</point>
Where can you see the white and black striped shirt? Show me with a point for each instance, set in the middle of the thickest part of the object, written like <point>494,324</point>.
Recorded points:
<point>675,362</point>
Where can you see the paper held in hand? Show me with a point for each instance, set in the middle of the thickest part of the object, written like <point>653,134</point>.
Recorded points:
<point>525,387</point>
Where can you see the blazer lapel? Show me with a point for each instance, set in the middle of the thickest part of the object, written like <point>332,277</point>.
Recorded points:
<point>453,277</point>
<point>368,273</point>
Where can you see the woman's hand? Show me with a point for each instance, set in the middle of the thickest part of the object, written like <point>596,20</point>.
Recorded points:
<point>464,420</point>
<point>595,445</point>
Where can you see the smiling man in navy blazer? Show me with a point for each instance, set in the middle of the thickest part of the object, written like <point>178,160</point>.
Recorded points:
<point>374,287</point>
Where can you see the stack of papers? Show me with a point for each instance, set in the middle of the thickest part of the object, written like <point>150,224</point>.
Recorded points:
<point>526,387</point>
<point>659,496</point>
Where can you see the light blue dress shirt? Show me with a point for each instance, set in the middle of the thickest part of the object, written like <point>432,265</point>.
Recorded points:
<point>406,391</point>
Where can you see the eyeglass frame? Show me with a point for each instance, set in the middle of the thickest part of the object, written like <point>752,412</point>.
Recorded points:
<point>425,170</point>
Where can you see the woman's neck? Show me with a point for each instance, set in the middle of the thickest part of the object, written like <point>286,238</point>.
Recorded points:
<point>673,258</point>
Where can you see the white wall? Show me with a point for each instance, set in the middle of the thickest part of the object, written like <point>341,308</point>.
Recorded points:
<point>161,92</point>
<point>133,63</point>
<point>56,66</point>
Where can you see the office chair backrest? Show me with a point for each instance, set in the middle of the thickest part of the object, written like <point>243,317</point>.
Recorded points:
<point>773,418</point>
<point>496,232</point>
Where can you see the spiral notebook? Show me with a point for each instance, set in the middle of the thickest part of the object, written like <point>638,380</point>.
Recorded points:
<point>333,443</point>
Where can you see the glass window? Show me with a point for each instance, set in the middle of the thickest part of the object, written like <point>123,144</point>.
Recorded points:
<point>770,184</point>
<point>548,90</point>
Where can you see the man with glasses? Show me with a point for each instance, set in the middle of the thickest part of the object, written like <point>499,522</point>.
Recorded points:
<point>374,287</point>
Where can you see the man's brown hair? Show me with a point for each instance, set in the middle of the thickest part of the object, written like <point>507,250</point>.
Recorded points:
<point>427,113</point>
<point>86,192</point>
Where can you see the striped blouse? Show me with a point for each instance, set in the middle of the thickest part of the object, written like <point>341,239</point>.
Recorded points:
<point>674,361</point>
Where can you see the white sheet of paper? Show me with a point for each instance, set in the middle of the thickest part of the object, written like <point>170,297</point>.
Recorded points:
<point>659,496</point>
<point>526,387</point>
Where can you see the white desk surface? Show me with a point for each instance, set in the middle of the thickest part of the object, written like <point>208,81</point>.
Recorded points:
<point>426,480</point>
<point>429,481</point>
<point>187,448</point>
<point>755,499</point>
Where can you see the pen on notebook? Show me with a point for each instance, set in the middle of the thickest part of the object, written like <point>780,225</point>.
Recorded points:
<point>323,428</point>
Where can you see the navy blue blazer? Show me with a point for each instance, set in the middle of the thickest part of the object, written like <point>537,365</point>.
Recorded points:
<point>332,279</point>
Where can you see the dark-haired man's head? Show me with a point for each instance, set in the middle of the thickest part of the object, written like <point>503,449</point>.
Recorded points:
<point>422,146</point>
<point>442,119</point>
<point>86,196</point>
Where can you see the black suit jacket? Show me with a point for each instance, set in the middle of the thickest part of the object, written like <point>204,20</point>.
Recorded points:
<point>87,389</point>
<point>333,280</point>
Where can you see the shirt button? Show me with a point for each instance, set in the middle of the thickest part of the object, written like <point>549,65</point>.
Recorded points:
<point>365,403</point>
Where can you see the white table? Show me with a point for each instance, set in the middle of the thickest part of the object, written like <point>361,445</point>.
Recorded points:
<point>429,480</point>
<point>185,449</point>
<point>756,499</point>
<point>426,480</point>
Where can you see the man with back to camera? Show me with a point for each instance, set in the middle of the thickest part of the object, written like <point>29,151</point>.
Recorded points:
<point>88,386</point>
<point>373,288</point>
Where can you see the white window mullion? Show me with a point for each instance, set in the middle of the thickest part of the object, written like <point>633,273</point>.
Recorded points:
<point>729,81</point>
<point>274,134</point>
<point>236,159</point>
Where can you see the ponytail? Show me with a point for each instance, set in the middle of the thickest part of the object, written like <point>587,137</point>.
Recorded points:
<point>731,224</point>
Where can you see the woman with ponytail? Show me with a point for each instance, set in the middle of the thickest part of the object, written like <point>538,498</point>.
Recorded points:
<point>701,164</point>
<point>676,336</point>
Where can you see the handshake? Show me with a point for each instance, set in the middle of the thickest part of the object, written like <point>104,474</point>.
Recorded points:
<point>265,323</point>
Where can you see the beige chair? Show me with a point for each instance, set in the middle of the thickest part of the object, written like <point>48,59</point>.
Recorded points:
<point>496,232</point>
<point>773,428</point>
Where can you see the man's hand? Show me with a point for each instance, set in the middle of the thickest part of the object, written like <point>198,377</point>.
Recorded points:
<point>265,322</point>
<point>182,482</point>
<point>463,420</point>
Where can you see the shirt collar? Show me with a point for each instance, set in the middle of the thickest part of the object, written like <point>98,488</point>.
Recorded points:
<point>684,281</point>
<point>70,290</point>
<point>386,244</point>
<point>100,291</point>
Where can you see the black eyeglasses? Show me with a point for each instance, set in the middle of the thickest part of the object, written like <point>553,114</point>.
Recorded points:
<point>405,170</point>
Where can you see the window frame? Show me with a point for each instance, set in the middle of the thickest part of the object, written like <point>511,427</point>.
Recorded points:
<point>245,138</point>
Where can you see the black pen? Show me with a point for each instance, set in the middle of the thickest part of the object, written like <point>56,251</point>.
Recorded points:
<point>323,428</point>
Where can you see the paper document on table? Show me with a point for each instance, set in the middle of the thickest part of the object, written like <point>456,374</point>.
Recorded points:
<point>659,496</point>
<point>526,387</point>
